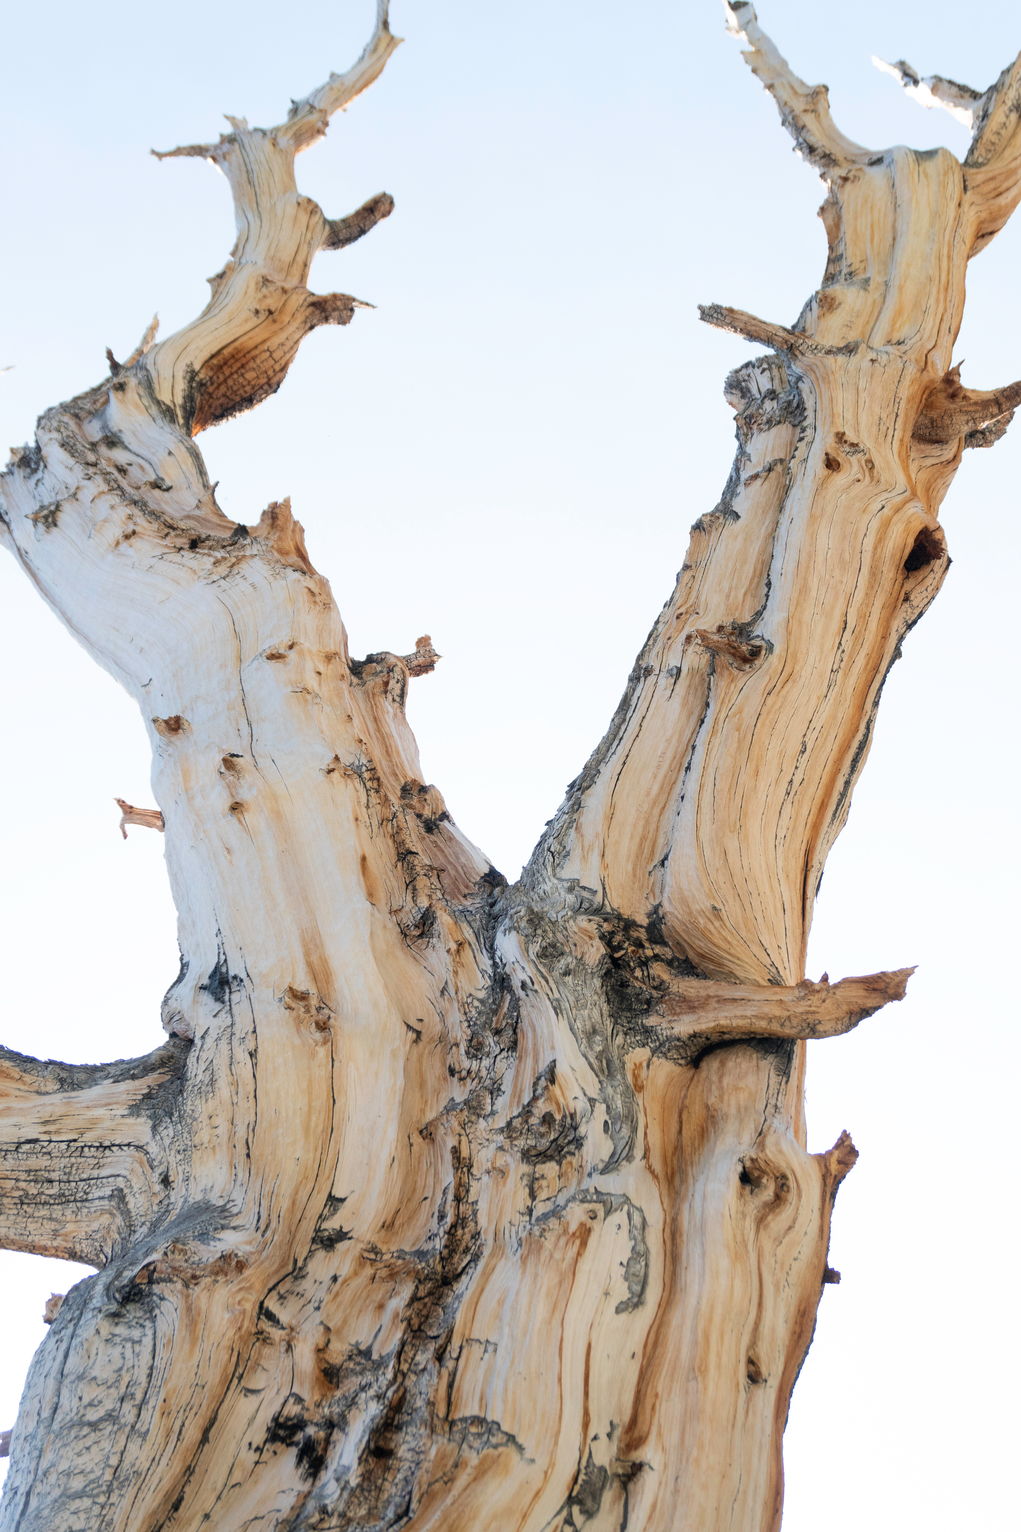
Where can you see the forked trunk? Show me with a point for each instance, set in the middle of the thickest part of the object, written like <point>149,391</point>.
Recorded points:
<point>450,1203</point>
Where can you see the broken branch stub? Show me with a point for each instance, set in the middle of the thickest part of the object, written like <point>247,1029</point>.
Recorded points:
<point>951,411</point>
<point>149,819</point>
<point>696,1014</point>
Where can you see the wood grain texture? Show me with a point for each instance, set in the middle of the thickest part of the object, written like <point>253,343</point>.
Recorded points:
<point>451,1203</point>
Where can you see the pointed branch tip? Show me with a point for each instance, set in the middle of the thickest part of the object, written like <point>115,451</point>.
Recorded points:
<point>697,1014</point>
<point>309,118</point>
<point>144,345</point>
<point>739,14</point>
<point>804,109</point>
<point>284,534</point>
<point>146,342</point>
<point>187,151</point>
<point>934,90</point>
<point>149,819</point>
<point>764,332</point>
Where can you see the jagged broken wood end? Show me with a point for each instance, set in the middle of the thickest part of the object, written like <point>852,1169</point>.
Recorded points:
<point>149,819</point>
<point>423,658</point>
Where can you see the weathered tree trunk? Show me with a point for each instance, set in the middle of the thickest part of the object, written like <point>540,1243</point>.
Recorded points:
<point>453,1204</point>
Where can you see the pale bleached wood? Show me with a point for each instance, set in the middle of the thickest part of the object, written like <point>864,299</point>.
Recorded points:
<point>959,100</point>
<point>804,109</point>
<point>452,1204</point>
<point>83,1150</point>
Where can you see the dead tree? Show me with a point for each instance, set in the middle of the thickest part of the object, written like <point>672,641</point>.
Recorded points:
<point>450,1203</point>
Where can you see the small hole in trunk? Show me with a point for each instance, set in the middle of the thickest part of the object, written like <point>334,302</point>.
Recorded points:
<point>926,548</point>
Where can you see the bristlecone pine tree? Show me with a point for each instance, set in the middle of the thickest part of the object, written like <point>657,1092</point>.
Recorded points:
<point>449,1203</point>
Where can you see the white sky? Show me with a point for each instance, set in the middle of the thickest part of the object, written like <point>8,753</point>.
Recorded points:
<point>507,454</point>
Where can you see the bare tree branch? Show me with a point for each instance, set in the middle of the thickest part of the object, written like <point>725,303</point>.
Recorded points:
<point>82,1160</point>
<point>26,1076</point>
<point>308,119</point>
<point>804,109</point>
<point>698,1014</point>
<point>237,352</point>
<point>960,101</point>
<point>764,331</point>
<point>424,658</point>
<point>344,231</point>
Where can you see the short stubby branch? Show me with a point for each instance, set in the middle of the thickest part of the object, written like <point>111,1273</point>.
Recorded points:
<point>341,232</point>
<point>837,1164</point>
<point>698,1014</point>
<point>733,643</point>
<point>952,411</point>
<point>424,658</point>
<point>149,819</point>
<point>286,536</point>
<point>254,362</point>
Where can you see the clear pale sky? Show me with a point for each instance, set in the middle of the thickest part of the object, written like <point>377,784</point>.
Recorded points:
<point>507,454</point>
